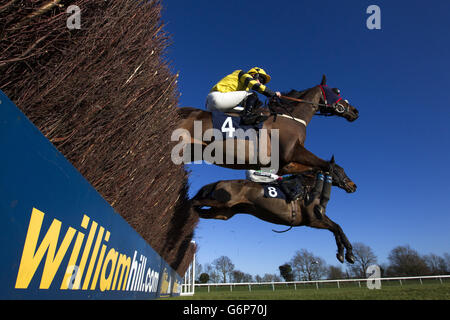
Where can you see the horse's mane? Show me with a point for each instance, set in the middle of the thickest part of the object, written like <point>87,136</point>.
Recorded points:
<point>294,94</point>
<point>286,104</point>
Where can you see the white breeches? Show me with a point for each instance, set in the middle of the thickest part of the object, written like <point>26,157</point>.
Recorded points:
<point>226,101</point>
<point>260,176</point>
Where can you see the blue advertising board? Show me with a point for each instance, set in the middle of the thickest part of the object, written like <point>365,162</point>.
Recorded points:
<point>59,238</point>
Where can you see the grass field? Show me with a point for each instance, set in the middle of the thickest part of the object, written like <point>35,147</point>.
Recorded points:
<point>408,291</point>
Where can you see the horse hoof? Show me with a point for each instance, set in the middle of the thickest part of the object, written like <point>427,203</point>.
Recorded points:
<point>340,257</point>
<point>350,258</point>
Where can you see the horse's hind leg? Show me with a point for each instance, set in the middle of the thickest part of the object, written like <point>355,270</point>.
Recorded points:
<point>205,203</point>
<point>307,159</point>
<point>215,213</point>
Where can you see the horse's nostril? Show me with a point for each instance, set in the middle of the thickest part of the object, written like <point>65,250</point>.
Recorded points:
<point>351,187</point>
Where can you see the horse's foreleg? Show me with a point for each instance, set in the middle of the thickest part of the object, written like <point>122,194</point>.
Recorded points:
<point>304,159</point>
<point>327,223</point>
<point>294,167</point>
<point>348,247</point>
<point>342,242</point>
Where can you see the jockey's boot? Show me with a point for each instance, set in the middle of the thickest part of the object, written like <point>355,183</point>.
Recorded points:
<point>317,190</point>
<point>319,210</point>
<point>249,116</point>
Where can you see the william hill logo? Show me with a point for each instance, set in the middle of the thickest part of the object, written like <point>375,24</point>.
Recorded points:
<point>100,268</point>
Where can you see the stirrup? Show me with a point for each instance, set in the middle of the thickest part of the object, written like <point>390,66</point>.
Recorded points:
<point>260,117</point>
<point>253,119</point>
<point>248,119</point>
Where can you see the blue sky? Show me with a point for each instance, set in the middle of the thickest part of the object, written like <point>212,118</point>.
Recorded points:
<point>397,152</point>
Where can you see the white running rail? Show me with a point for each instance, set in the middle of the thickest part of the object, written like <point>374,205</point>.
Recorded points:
<point>188,285</point>
<point>318,282</point>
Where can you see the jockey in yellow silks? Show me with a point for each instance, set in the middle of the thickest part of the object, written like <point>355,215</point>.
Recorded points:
<point>232,93</point>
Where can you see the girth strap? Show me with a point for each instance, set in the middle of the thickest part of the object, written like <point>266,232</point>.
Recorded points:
<point>296,119</point>
<point>294,214</point>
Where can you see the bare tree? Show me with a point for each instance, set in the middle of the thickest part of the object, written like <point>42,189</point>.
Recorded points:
<point>224,267</point>
<point>335,272</point>
<point>211,271</point>
<point>436,264</point>
<point>364,257</point>
<point>247,277</point>
<point>198,266</point>
<point>405,261</point>
<point>307,266</point>
<point>238,276</point>
<point>268,277</point>
<point>447,261</point>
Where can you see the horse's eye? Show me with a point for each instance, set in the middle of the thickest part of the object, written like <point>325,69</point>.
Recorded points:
<point>337,91</point>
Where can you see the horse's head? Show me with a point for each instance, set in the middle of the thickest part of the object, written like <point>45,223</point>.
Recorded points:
<point>333,104</point>
<point>339,177</point>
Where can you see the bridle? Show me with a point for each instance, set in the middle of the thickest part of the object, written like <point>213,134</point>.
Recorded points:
<point>337,107</point>
<point>327,110</point>
<point>342,181</point>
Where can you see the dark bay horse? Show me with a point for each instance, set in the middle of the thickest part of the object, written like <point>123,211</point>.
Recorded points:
<point>291,124</point>
<point>225,198</point>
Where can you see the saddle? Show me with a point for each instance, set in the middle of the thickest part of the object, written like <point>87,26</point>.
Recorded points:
<point>289,190</point>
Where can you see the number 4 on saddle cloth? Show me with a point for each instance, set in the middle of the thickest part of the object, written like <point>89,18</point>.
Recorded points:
<point>229,125</point>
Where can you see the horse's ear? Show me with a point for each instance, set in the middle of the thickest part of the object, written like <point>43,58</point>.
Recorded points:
<point>332,159</point>
<point>324,80</point>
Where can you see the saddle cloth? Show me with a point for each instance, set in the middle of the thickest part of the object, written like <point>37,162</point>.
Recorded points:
<point>229,124</point>
<point>273,191</point>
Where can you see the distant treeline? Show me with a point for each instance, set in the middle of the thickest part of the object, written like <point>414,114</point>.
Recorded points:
<point>403,261</point>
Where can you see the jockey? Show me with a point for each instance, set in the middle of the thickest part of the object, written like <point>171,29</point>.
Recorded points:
<point>234,90</point>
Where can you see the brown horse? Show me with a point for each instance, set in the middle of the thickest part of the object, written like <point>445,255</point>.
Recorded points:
<point>226,198</point>
<point>294,115</point>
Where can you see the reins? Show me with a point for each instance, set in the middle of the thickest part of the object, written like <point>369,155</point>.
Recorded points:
<point>290,116</point>
<point>304,101</point>
<point>318,113</point>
